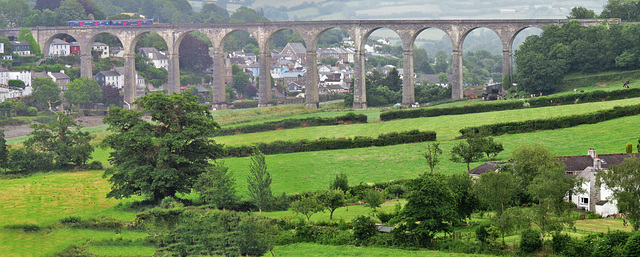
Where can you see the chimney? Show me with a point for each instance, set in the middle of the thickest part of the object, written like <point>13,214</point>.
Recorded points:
<point>597,163</point>
<point>62,71</point>
<point>592,153</point>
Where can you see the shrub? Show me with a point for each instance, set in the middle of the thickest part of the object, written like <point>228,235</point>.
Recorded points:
<point>530,241</point>
<point>245,104</point>
<point>31,111</point>
<point>385,217</point>
<point>27,227</point>
<point>363,228</point>
<point>629,147</point>
<point>560,243</point>
<point>71,220</point>
<point>27,160</point>
<point>94,165</point>
<point>103,223</point>
<point>611,244</point>
<point>170,202</point>
<point>482,233</point>
<point>632,247</point>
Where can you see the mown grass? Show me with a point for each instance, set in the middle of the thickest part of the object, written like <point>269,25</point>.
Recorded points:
<point>308,249</point>
<point>446,127</point>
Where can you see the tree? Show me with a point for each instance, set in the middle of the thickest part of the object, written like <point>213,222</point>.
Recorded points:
<point>548,189</point>
<point>4,153</point>
<point>218,187</point>
<point>194,54</point>
<point>506,82</point>
<point>528,162</point>
<point>259,181</point>
<point>488,146</point>
<point>46,93</point>
<point>83,91</point>
<point>12,12</point>
<point>466,151</point>
<point>331,199</point>
<point>71,10</point>
<point>307,206</point>
<point>67,146</point>
<point>443,78</point>
<point>497,191</point>
<point>430,208</point>
<point>165,156</point>
<point>26,35</point>
<point>431,155</point>
<point>111,96</point>
<point>372,198</point>
<point>240,81</point>
<point>340,182</point>
<point>580,12</point>
<point>622,179</point>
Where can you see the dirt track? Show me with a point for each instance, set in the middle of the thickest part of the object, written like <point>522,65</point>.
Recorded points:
<point>22,130</point>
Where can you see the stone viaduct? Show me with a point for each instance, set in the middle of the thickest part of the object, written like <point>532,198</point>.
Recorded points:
<point>310,31</point>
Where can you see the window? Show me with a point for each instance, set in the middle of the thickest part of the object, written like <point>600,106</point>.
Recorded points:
<point>584,200</point>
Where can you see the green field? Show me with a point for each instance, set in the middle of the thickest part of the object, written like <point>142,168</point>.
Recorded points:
<point>43,199</point>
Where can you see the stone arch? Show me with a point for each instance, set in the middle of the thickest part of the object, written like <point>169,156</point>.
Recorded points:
<point>518,32</point>
<point>45,47</point>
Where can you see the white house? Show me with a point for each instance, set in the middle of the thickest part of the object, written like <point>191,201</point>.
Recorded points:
<point>158,59</point>
<point>59,47</point>
<point>101,48</point>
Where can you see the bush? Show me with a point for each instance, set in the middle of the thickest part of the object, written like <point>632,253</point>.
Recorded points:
<point>530,241</point>
<point>245,104</point>
<point>71,220</point>
<point>363,228</point>
<point>103,223</point>
<point>632,247</point>
<point>27,227</point>
<point>385,217</point>
<point>94,165</point>
<point>560,243</point>
<point>27,160</point>
<point>31,111</point>
<point>593,96</point>
<point>482,233</point>
<point>611,244</point>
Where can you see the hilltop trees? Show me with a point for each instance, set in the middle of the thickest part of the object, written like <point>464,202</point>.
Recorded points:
<point>162,157</point>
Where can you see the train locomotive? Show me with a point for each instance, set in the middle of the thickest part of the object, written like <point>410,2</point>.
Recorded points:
<point>96,23</point>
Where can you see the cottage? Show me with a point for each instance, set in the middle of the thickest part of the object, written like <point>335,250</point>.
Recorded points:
<point>59,47</point>
<point>295,51</point>
<point>21,48</point>
<point>157,59</point>
<point>101,48</point>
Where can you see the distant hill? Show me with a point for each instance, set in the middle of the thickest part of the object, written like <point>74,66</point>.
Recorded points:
<point>280,10</point>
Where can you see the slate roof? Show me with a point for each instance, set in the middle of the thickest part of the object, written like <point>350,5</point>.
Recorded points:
<point>486,167</point>
<point>59,75</point>
<point>579,163</point>
<point>110,73</point>
<point>57,41</point>
<point>298,48</point>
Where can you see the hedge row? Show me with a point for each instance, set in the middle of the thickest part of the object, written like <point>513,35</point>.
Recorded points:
<point>592,96</point>
<point>294,123</point>
<point>554,123</point>
<point>322,144</point>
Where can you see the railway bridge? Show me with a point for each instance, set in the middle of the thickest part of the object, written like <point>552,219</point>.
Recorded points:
<point>310,31</point>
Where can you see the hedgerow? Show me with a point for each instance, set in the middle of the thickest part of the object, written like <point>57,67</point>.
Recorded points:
<point>323,144</point>
<point>294,123</point>
<point>592,96</point>
<point>553,123</point>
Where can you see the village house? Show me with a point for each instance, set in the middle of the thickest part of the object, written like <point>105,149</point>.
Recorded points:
<point>594,198</point>
<point>157,59</point>
<point>295,51</point>
<point>74,48</point>
<point>59,47</point>
<point>21,48</point>
<point>101,48</point>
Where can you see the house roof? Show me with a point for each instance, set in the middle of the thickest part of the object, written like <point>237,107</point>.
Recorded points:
<point>486,167</point>
<point>580,163</point>
<point>110,73</point>
<point>59,75</point>
<point>201,89</point>
<point>57,41</point>
<point>20,43</point>
<point>298,48</point>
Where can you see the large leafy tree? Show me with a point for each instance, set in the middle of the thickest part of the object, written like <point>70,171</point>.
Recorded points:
<point>46,93</point>
<point>194,54</point>
<point>12,12</point>
<point>68,146</point>
<point>466,152</point>
<point>497,191</point>
<point>331,199</point>
<point>623,179</point>
<point>83,91</point>
<point>111,96</point>
<point>430,209</point>
<point>580,12</point>
<point>162,157</point>
<point>218,187</point>
<point>307,206</point>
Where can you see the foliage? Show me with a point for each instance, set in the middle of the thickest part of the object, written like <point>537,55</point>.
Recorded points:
<point>4,152</point>
<point>612,244</point>
<point>430,209</point>
<point>307,206</point>
<point>149,157</point>
<point>553,100</point>
<point>67,146</point>
<point>16,83</point>
<point>26,35</point>
<point>554,123</point>
<point>259,181</point>
<point>431,155</point>
<point>191,54</point>
<point>363,228</point>
<point>506,82</point>
<point>111,96</point>
<point>321,144</point>
<point>580,12</point>
<point>341,182</point>
<point>466,151</point>
<point>294,123</point>
<point>497,191</point>
<point>28,160</point>
<point>622,180</point>
<point>372,198</point>
<point>632,247</point>
<point>156,76</point>
<point>45,93</point>
<point>218,187</point>
<point>629,147</point>
<point>530,241</point>
<point>83,91</point>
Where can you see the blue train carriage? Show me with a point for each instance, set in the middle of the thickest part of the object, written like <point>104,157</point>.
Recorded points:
<point>89,23</point>
<point>132,22</point>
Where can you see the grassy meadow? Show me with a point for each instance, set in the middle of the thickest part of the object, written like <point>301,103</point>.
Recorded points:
<point>44,199</point>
